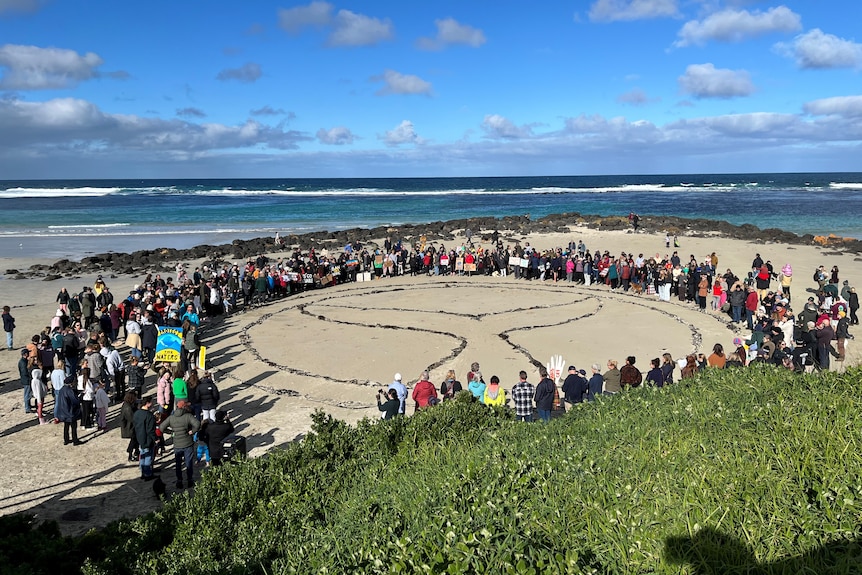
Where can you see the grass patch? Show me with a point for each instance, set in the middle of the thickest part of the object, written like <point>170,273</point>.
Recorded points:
<point>737,471</point>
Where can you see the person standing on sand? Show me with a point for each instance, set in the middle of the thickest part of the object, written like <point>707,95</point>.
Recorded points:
<point>401,390</point>
<point>424,391</point>
<point>183,425</point>
<point>37,387</point>
<point>612,377</point>
<point>67,408</point>
<point>544,397</point>
<point>595,383</point>
<point>630,376</point>
<point>522,394</point>
<point>144,423</point>
<point>24,374</point>
<point>8,327</point>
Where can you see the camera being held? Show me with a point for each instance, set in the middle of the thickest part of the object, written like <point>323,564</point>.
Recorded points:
<point>389,408</point>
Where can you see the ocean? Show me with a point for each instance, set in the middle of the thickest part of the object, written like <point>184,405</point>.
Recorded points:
<point>76,218</point>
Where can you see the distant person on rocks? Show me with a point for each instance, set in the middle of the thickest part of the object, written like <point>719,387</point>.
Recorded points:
<point>424,391</point>
<point>630,376</point>
<point>544,395</point>
<point>522,395</point>
<point>183,425</point>
<point>145,433</point>
<point>401,390</point>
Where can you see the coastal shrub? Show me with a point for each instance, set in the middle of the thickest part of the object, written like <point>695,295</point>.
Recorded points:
<point>735,471</point>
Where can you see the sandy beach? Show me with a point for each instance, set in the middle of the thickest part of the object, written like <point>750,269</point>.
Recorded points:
<point>332,348</point>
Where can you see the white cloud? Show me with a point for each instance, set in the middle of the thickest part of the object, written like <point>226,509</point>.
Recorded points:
<point>635,97</point>
<point>270,111</point>
<point>614,10</point>
<point>247,73</point>
<point>191,113</point>
<point>19,5</point>
<point>353,29</point>
<point>34,68</point>
<point>707,81</point>
<point>738,25</point>
<point>293,20</point>
<point>498,127</point>
<point>844,106</point>
<point>61,122</point>
<point>398,83</point>
<point>816,50</point>
<point>336,136</point>
<point>449,32</point>
<point>403,133</point>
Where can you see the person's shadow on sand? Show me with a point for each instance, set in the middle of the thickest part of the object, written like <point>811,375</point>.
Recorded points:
<point>711,552</point>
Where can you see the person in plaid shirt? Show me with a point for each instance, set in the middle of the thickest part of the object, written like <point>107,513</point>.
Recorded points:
<point>522,394</point>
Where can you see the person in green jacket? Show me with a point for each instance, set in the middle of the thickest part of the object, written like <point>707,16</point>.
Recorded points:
<point>183,425</point>
<point>179,386</point>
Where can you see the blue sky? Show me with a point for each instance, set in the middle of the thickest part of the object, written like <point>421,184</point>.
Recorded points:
<point>99,89</point>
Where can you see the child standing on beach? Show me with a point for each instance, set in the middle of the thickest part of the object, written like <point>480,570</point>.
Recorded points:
<point>37,387</point>
<point>102,402</point>
<point>8,326</point>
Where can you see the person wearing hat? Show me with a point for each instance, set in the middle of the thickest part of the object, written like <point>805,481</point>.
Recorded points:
<point>842,332</point>
<point>183,425</point>
<point>401,390</point>
<point>574,386</point>
<point>67,408</point>
<point>596,384</point>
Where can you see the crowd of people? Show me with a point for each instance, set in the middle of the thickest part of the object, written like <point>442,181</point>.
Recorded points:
<point>99,348</point>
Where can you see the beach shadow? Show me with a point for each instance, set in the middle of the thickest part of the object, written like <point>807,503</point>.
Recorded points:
<point>712,552</point>
<point>258,441</point>
<point>244,409</point>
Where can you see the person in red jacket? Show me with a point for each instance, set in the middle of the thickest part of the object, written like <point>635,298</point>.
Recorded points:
<point>424,391</point>
<point>751,304</point>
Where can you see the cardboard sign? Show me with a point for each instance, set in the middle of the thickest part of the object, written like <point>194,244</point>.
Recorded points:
<point>169,344</point>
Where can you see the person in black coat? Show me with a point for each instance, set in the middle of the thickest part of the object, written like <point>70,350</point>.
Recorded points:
<point>217,431</point>
<point>68,410</point>
<point>544,397</point>
<point>207,396</point>
<point>575,386</point>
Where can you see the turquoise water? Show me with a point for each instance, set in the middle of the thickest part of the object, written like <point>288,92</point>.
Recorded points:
<point>70,218</point>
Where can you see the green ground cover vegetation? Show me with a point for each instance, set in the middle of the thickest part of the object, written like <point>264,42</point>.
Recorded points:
<point>755,470</point>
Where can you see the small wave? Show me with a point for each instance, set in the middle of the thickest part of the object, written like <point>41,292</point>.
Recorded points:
<point>88,226</point>
<point>57,192</point>
<point>846,186</point>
